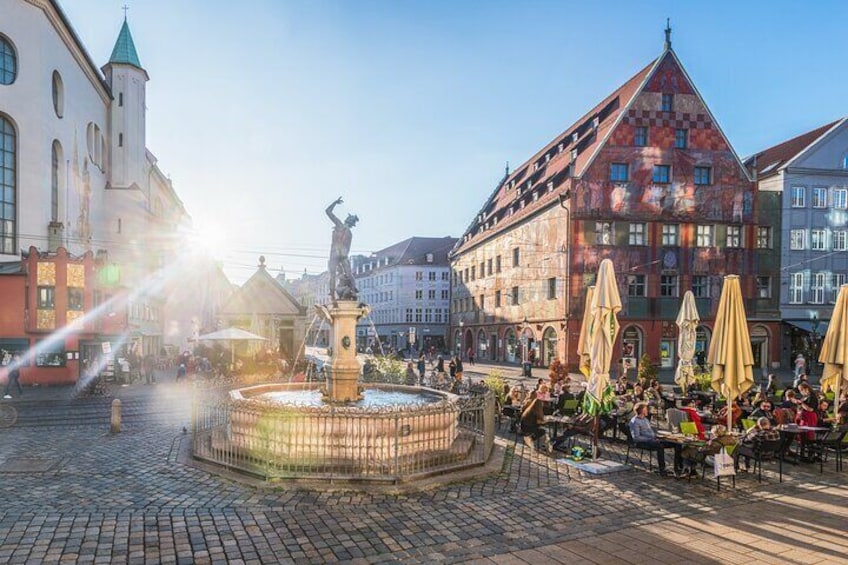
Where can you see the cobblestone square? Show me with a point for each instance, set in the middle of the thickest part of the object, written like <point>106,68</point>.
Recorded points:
<point>127,498</point>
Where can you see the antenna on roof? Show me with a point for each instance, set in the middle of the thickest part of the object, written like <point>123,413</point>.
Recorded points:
<point>668,33</point>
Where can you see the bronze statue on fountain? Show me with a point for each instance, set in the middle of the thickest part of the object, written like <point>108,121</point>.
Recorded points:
<point>342,283</point>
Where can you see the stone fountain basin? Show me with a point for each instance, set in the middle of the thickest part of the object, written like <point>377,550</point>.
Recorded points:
<point>356,437</point>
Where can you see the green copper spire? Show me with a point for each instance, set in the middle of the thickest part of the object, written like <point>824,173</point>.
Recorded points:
<point>124,51</point>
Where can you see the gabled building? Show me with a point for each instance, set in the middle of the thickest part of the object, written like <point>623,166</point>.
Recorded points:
<point>407,286</point>
<point>263,307</point>
<point>808,175</point>
<point>646,178</point>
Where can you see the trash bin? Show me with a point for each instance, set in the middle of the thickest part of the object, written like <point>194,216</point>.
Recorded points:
<point>527,369</point>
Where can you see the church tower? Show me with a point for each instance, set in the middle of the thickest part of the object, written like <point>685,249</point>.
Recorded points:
<point>128,81</point>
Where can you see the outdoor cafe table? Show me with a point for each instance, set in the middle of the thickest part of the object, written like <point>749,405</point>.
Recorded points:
<point>790,431</point>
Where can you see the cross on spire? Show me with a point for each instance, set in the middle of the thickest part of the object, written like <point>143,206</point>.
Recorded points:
<point>125,8</point>
<point>668,33</point>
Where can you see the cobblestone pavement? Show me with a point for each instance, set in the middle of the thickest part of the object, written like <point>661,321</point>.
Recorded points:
<point>71,492</point>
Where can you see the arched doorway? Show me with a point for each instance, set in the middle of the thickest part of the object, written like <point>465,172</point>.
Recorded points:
<point>468,343</point>
<point>510,346</point>
<point>482,345</point>
<point>529,346</point>
<point>760,348</point>
<point>632,345</point>
<point>493,346</point>
<point>549,346</point>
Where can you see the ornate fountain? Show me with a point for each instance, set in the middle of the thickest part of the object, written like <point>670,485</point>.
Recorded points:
<point>342,430</point>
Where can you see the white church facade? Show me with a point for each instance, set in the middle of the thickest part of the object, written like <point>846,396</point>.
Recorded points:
<point>75,171</point>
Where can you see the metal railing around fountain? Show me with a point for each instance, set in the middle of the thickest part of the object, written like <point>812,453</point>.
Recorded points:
<point>334,443</point>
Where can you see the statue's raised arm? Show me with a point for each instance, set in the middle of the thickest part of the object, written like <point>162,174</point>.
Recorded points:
<point>330,214</point>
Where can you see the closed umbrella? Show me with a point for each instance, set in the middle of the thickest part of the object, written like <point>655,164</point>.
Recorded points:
<point>583,344</point>
<point>730,348</point>
<point>606,304</point>
<point>687,323</point>
<point>834,351</point>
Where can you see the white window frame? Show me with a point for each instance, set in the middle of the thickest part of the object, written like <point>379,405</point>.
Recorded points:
<point>840,198</point>
<point>704,235</point>
<point>604,233</point>
<point>819,199</point>
<point>840,240</point>
<point>637,233</point>
<point>798,239</point>
<point>817,285</point>
<point>818,240</point>
<point>799,196</point>
<point>673,285</point>
<point>636,285</point>
<point>671,235</point>
<point>764,237</point>
<point>763,290</point>
<point>836,281</point>
<point>796,288</point>
<point>733,236</point>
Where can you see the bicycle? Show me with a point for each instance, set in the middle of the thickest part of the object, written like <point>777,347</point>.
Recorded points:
<point>8,415</point>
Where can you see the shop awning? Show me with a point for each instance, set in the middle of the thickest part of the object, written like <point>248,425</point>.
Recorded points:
<point>807,326</point>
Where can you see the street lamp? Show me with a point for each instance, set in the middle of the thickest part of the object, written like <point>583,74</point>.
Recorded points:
<point>459,339</point>
<point>524,341</point>
<point>814,325</point>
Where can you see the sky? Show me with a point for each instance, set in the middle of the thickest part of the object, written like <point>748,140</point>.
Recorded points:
<point>263,112</point>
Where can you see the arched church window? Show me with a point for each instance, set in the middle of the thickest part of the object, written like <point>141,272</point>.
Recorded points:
<point>8,192</point>
<point>8,62</point>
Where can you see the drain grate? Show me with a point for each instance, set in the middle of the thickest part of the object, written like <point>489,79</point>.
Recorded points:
<point>28,465</point>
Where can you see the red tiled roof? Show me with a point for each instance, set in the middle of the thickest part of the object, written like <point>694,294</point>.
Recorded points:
<point>556,169</point>
<point>770,160</point>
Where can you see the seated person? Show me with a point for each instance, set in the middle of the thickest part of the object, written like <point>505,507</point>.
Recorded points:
<point>771,387</point>
<point>762,431</point>
<point>789,399</point>
<point>532,418</point>
<point>764,410</point>
<point>694,455</point>
<point>806,416</point>
<point>645,438</point>
<point>695,418</point>
<point>543,393</point>
<point>821,413</point>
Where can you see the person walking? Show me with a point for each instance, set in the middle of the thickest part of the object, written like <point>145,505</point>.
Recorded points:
<point>470,355</point>
<point>422,367</point>
<point>14,375</point>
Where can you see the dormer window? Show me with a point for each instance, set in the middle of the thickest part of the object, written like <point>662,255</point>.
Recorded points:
<point>574,137</point>
<point>561,148</point>
<point>574,154</point>
<point>547,157</point>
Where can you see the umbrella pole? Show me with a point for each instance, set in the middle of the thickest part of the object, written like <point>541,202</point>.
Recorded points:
<point>596,422</point>
<point>836,393</point>
<point>729,409</point>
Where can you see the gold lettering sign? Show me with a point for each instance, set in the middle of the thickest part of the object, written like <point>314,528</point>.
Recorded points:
<point>46,319</point>
<point>76,276</point>
<point>46,273</point>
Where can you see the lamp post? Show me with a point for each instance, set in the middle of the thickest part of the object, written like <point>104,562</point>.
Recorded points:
<point>524,325</point>
<point>459,339</point>
<point>814,325</point>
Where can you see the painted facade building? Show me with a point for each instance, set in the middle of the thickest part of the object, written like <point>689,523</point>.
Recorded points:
<point>407,286</point>
<point>46,297</point>
<point>808,174</point>
<point>75,170</point>
<point>646,178</point>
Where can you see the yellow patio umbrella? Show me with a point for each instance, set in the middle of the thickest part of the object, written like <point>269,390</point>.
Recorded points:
<point>583,345</point>
<point>730,348</point>
<point>834,350</point>
<point>606,304</point>
<point>687,323</point>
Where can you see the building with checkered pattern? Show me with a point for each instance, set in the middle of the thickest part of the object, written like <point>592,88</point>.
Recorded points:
<point>646,178</point>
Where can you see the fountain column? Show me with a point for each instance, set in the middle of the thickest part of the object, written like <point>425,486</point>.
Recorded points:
<point>343,379</point>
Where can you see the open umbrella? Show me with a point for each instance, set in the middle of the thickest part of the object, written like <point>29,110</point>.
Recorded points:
<point>606,303</point>
<point>231,335</point>
<point>583,344</point>
<point>730,348</point>
<point>834,351</point>
<point>687,322</point>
